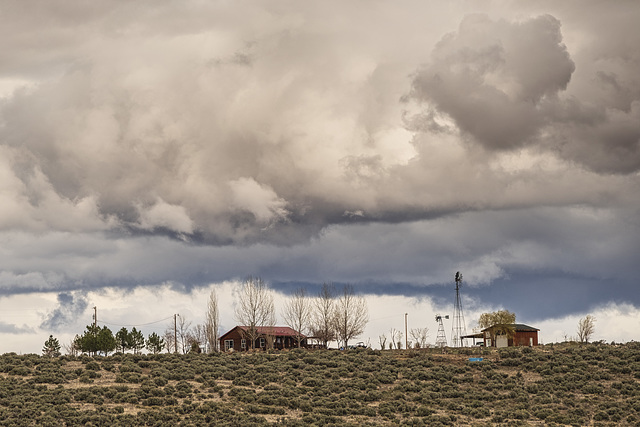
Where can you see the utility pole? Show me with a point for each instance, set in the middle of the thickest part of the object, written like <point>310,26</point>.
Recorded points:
<point>175,333</point>
<point>95,324</point>
<point>406,337</point>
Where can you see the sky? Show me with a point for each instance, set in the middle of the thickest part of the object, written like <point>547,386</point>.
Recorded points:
<point>153,152</point>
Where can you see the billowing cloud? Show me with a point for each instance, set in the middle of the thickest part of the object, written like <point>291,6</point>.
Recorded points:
<point>503,84</point>
<point>495,79</point>
<point>377,144</point>
<point>70,306</point>
<point>205,133</point>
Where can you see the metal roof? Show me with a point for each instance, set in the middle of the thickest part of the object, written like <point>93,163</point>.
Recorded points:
<point>518,327</point>
<point>279,331</point>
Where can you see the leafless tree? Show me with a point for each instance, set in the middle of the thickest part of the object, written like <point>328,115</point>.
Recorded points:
<point>183,331</point>
<point>419,335</point>
<point>72,349</point>
<point>351,315</point>
<point>324,314</point>
<point>169,338</point>
<point>383,341</point>
<point>586,328</point>
<point>396,338</point>
<point>212,322</point>
<point>297,313</point>
<point>255,307</point>
<point>198,336</point>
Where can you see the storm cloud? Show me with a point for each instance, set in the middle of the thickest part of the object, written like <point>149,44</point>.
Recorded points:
<point>386,145</point>
<point>70,306</point>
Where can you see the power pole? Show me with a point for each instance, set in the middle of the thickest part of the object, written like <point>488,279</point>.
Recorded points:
<point>175,333</point>
<point>95,324</point>
<point>459,327</point>
<point>406,337</point>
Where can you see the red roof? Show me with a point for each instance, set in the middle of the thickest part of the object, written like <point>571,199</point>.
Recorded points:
<point>279,331</point>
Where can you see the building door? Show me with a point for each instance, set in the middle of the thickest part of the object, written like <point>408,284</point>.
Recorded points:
<point>502,341</point>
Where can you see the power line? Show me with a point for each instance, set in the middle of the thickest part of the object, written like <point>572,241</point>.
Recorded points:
<point>141,324</point>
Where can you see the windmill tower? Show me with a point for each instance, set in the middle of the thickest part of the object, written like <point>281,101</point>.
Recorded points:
<point>441,339</point>
<point>459,328</point>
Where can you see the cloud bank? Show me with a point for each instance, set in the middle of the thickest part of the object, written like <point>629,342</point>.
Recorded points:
<point>183,144</point>
<point>206,131</point>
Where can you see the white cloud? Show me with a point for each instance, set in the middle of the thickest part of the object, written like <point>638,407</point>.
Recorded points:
<point>259,200</point>
<point>165,215</point>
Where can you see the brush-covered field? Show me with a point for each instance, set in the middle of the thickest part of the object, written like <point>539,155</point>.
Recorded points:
<point>593,384</point>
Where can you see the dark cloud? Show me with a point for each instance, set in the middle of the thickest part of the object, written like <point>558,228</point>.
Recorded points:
<point>495,78</point>
<point>9,328</point>
<point>71,305</point>
<point>384,146</point>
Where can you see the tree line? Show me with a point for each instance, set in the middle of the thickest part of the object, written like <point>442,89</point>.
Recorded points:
<point>98,340</point>
<point>332,315</point>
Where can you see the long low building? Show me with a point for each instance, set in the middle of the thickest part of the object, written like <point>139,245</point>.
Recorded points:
<point>278,337</point>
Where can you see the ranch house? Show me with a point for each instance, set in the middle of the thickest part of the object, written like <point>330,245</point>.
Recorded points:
<point>278,337</point>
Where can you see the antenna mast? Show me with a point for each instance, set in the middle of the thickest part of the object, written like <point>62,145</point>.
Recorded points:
<point>459,328</point>
<point>441,338</point>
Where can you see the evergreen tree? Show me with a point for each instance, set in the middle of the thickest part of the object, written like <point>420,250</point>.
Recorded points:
<point>122,340</point>
<point>155,343</point>
<point>106,341</point>
<point>136,340</point>
<point>51,347</point>
<point>88,342</point>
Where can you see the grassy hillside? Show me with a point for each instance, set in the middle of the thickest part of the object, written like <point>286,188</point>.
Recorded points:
<point>594,384</point>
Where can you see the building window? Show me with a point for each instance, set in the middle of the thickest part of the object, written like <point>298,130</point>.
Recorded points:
<point>243,344</point>
<point>261,342</point>
<point>228,345</point>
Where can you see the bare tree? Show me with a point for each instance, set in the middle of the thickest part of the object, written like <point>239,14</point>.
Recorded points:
<point>255,308</point>
<point>169,339</point>
<point>72,349</point>
<point>396,338</point>
<point>212,322</point>
<point>323,315</point>
<point>297,313</point>
<point>183,331</point>
<point>351,315</point>
<point>419,335</point>
<point>586,328</point>
<point>197,338</point>
<point>383,341</point>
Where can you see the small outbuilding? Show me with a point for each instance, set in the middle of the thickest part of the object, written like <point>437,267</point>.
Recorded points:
<point>499,335</point>
<point>278,337</point>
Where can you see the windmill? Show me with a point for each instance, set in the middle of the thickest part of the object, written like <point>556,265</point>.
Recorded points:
<point>459,328</point>
<point>441,339</point>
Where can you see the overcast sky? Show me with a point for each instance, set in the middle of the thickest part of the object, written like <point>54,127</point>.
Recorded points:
<point>151,152</point>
